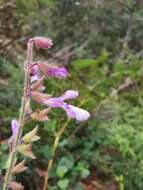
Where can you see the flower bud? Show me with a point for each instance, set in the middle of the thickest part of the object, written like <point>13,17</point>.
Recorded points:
<point>42,42</point>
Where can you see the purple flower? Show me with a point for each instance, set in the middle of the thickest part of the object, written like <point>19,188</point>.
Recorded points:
<point>42,42</point>
<point>35,73</point>
<point>52,70</point>
<point>59,101</point>
<point>59,72</point>
<point>69,94</point>
<point>71,111</point>
<point>14,127</point>
<point>75,112</point>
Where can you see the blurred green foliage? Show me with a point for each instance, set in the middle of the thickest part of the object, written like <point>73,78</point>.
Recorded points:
<point>108,73</point>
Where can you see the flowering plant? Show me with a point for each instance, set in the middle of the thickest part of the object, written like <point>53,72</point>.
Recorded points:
<point>35,74</point>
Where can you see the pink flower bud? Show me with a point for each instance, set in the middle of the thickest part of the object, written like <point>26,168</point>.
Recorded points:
<point>42,42</point>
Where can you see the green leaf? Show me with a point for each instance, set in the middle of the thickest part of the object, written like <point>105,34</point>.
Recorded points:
<point>67,161</point>
<point>61,171</point>
<point>82,169</point>
<point>63,183</point>
<point>85,173</point>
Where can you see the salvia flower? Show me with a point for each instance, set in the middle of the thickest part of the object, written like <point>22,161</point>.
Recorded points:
<point>59,101</point>
<point>53,70</point>
<point>48,70</point>
<point>42,42</point>
<point>71,111</point>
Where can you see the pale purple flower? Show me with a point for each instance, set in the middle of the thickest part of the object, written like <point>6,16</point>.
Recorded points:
<point>52,70</point>
<point>48,70</point>
<point>42,42</point>
<point>75,112</point>
<point>14,127</point>
<point>53,102</point>
<point>71,111</point>
<point>59,72</point>
<point>58,102</point>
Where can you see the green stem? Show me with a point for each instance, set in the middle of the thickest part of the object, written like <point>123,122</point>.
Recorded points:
<point>21,121</point>
<point>55,145</point>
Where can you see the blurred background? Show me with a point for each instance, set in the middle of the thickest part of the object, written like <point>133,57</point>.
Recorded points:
<point>101,44</point>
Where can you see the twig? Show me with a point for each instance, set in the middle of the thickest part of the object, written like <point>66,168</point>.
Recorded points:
<point>55,145</point>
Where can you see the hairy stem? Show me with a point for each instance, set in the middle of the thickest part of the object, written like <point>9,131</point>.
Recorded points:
<point>21,121</point>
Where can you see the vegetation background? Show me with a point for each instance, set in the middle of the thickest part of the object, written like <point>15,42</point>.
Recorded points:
<point>100,42</point>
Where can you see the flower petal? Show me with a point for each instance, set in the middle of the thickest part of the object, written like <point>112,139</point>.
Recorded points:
<point>69,94</point>
<point>35,78</point>
<point>14,127</point>
<point>59,72</point>
<point>35,73</point>
<point>77,113</point>
<point>53,70</point>
<point>53,102</point>
<point>34,69</point>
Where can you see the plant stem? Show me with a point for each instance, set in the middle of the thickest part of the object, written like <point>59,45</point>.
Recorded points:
<point>21,121</point>
<point>55,145</point>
